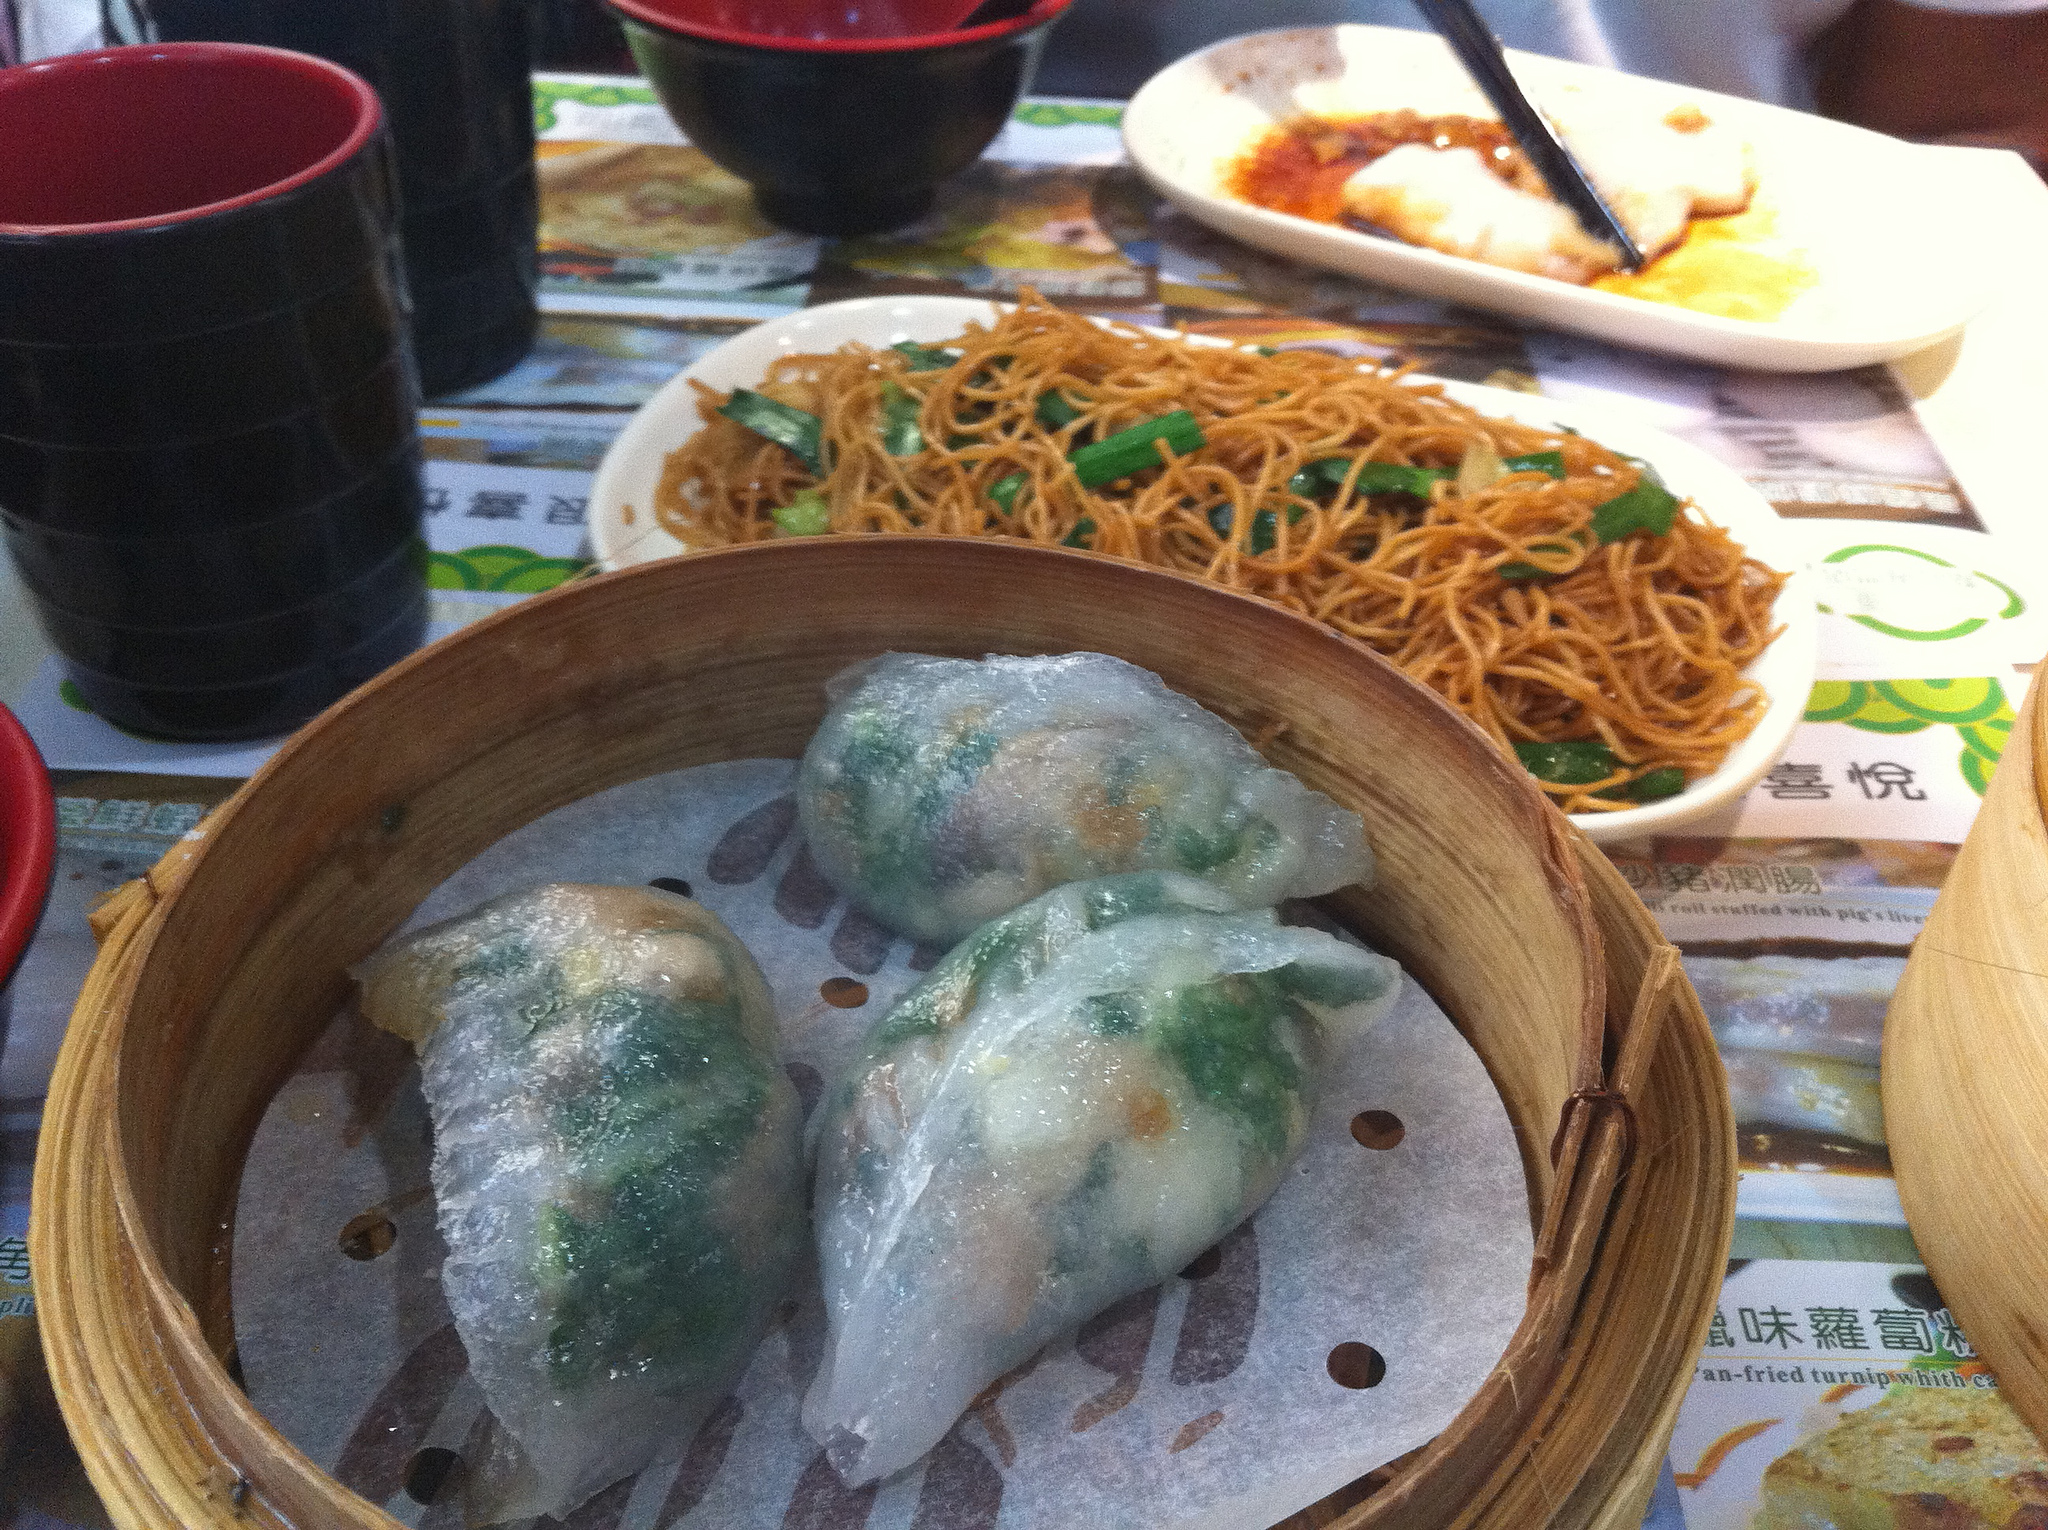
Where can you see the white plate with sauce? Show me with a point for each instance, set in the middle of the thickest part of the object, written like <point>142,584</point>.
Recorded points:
<point>1868,247</point>
<point>624,530</point>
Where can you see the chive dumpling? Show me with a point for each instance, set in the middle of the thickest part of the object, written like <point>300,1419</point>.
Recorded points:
<point>617,1165</point>
<point>940,793</point>
<point>1077,1100</point>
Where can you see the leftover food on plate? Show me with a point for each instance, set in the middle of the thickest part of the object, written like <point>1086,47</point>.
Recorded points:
<point>1076,1101</point>
<point>1552,589</point>
<point>941,793</point>
<point>1818,273</point>
<point>1461,185</point>
<point>616,1167</point>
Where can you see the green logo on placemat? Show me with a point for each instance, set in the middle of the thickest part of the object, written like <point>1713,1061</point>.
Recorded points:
<point>546,93</point>
<point>1963,627</point>
<point>519,570</point>
<point>1067,114</point>
<point>1976,708</point>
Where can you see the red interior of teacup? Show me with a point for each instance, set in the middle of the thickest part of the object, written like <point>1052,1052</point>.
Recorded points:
<point>832,25</point>
<point>162,132</point>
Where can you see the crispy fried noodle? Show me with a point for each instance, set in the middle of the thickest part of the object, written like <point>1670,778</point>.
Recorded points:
<point>1547,587</point>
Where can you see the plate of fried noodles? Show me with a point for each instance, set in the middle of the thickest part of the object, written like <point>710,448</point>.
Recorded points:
<point>1613,606</point>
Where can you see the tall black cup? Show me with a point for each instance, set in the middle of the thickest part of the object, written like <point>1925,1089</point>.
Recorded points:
<point>455,76</point>
<point>209,438</point>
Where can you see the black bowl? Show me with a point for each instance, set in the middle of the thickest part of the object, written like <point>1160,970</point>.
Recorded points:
<point>839,136</point>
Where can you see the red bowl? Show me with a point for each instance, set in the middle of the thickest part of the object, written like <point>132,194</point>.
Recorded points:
<point>28,839</point>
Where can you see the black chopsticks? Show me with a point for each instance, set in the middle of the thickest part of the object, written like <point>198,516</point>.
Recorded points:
<point>1479,51</point>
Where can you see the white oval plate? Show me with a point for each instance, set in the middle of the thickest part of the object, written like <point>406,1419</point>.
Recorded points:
<point>623,530</point>
<point>1884,223</point>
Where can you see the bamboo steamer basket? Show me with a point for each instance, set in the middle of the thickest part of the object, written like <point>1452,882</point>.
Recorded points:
<point>1966,1076</point>
<point>218,970</point>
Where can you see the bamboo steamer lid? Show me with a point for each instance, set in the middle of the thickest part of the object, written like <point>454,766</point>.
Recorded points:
<point>218,969</point>
<point>1966,1077</point>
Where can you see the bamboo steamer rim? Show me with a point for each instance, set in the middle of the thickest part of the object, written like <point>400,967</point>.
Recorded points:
<point>1582,1398</point>
<point>1965,1076</point>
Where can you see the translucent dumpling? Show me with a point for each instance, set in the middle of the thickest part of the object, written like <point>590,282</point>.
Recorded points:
<point>1078,1099</point>
<point>940,793</point>
<point>617,1169</point>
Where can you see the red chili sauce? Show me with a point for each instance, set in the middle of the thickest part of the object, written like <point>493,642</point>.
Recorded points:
<point>1300,166</point>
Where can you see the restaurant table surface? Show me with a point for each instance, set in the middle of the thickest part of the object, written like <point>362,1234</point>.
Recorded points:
<point>1916,490</point>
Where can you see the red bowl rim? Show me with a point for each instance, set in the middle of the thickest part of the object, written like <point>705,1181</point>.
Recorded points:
<point>650,14</point>
<point>28,839</point>
<point>369,108</point>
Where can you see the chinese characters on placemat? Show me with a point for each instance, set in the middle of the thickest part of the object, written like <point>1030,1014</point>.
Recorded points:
<point>1836,1393</point>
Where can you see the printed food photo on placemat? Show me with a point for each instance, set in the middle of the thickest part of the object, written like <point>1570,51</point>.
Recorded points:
<point>996,230</point>
<point>1794,947</point>
<point>659,220</point>
<point>597,362</point>
<point>1837,1395</point>
<point>1816,445</point>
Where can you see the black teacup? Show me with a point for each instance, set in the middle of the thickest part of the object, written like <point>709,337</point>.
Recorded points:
<point>209,461</point>
<point>455,79</point>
